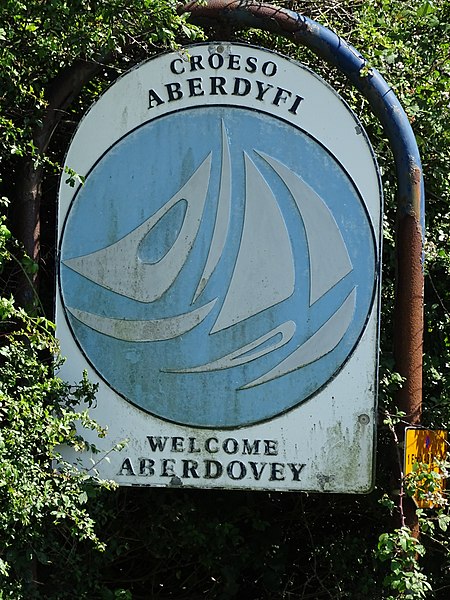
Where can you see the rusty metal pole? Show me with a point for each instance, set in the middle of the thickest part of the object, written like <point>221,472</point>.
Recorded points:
<point>410,225</point>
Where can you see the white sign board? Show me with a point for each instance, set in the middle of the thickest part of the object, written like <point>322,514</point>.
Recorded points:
<point>219,275</point>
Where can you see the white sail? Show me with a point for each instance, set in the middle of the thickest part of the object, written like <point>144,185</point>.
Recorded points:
<point>119,268</point>
<point>322,233</point>
<point>321,343</point>
<point>131,330</point>
<point>264,272</point>
<point>277,337</point>
<point>222,222</point>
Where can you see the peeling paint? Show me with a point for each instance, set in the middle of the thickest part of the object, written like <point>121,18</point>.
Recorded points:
<point>175,482</point>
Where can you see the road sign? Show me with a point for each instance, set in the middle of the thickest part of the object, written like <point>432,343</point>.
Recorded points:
<point>219,274</point>
<point>429,448</point>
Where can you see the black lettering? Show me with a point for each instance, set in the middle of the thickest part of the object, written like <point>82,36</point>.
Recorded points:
<point>280,95</point>
<point>157,443</point>
<point>192,445</point>
<point>295,104</point>
<point>213,469</point>
<point>251,64</point>
<point>172,66</point>
<point>234,62</point>
<point>261,90</point>
<point>242,470</point>
<point>152,98</point>
<point>166,468</point>
<point>217,85</point>
<point>196,62</point>
<point>269,68</point>
<point>271,447</point>
<point>250,449</point>
<point>146,467</point>
<point>208,445</point>
<point>177,444</point>
<point>296,470</point>
<point>126,468</point>
<point>174,91</point>
<point>237,91</point>
<point>195,87</point>
<point>254,467</point>
<point>276,472</point>
<point>215,61</point>
<point>234,446</point>
<point>190,466</point>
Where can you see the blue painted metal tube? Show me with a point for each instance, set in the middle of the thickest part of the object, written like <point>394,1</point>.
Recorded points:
<point>225,15</point>
<point>384,105</point>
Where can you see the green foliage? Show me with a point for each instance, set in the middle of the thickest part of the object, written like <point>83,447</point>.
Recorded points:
<point>402,550</point>
<point>179,543</point>
<point>39,492</point>
<point>40,40</point>
<point>426,484</point>
<point>405,578</point>
<point>409,43</point>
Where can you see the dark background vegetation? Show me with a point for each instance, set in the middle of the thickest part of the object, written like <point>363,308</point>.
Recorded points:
<point>188,544</point>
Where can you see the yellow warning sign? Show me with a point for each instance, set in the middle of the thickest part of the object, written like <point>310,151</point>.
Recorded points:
<point>428,447</point>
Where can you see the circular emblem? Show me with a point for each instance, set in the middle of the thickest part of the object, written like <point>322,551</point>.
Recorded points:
<point>218,265</point>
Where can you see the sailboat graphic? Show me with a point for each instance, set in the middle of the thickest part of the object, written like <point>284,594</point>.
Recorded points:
<point>263,273</point>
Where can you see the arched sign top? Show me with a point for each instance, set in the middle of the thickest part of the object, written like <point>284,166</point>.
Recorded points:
<point>235,76</point>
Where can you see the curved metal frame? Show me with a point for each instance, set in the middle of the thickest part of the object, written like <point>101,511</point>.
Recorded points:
<point>408,332</point>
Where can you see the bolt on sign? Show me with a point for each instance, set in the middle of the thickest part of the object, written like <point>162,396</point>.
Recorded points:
<point>219,274</point>
<point>427,447</point>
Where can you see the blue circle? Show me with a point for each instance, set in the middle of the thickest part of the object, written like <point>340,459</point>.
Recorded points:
<point>136,178</point>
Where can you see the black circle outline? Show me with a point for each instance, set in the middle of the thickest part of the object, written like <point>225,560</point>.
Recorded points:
<point>377,265</point>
